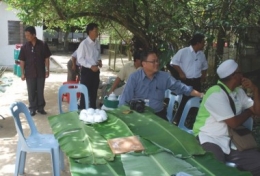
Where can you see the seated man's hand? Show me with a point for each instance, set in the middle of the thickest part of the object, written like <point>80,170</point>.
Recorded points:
<point>248,84</point>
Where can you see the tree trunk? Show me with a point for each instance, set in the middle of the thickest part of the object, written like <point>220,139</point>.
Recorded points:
<point>66,42</point>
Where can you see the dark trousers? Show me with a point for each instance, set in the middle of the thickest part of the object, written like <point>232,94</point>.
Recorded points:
<point>247,160</point>
<point>196,84</point>
<point>35,88</point>
<point>91,80</point>
<point>162,114</point>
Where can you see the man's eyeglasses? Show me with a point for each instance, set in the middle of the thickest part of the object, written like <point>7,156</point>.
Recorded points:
<point>153,62</point>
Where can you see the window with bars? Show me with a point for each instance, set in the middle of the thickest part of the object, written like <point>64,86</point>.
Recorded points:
<point>15,32</point>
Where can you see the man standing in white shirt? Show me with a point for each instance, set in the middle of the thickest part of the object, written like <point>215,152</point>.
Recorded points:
<point>191,65</point>
<point>88,56</point>
<point>190,62</point>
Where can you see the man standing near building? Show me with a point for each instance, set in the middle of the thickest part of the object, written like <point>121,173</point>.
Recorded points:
<point>191,64</point>
<point>34,61</point>
<point>89,57</point>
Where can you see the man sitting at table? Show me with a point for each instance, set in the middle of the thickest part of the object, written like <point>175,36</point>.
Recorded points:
<point>216,115</point>
<point>148,83</point>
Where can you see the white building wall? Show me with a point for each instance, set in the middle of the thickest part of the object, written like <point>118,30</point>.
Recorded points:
<point>7,51</point>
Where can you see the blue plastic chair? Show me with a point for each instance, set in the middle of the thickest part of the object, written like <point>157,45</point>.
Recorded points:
<point>193,102</point>
<point>173,105</point>
<point>35,142</point>
<point>72,90</point>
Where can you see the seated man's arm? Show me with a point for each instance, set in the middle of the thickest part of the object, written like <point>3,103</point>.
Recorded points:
<point>248,84</point>
<point>179,70</point>
<point>115,84</point>
<point>128,92</point>
<point>237,120</point>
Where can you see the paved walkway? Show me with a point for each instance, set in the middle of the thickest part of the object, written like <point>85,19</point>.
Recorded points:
<point>36,164</point>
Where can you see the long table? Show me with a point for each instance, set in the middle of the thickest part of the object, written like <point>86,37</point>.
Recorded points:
<point>168,149</point>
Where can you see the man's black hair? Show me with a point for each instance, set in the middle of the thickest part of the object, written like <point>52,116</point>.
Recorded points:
<point>197,38</point>
<point>90,27</point>
<point>144,54</point>
<point>30,29</point>
<point>136,55</point>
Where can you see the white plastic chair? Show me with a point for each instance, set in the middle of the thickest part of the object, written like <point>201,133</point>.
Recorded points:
<point>72,90</point>
<point>193,102</point>
<point>35,142</point>
<point>173,105</point>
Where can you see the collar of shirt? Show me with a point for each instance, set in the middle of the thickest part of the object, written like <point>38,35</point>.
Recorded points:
<point>90,41</point>
<point>192,50</point>
<point>143,75</point>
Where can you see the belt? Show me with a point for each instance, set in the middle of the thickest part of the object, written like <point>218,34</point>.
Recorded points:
<point>193,79</point>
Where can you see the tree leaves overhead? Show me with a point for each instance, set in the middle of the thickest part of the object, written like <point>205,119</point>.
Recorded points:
<point>154,22</point>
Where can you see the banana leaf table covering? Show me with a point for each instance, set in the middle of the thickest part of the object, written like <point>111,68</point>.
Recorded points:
<point>168,150</point>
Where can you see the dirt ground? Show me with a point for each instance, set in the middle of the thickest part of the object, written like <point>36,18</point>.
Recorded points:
<point>36,164</point>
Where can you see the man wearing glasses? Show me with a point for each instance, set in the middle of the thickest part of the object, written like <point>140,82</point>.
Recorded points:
<point>148,83</point>
<point>34,61</point>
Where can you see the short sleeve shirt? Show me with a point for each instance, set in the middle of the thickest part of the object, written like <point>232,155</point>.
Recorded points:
<point>190,62</point>
<point>214,109</point>
<point>126,71</point>
<point>34,58</point>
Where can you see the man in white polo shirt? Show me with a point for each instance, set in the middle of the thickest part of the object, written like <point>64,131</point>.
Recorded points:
<point>216,115</point>
<point>89,57</point>
<point>191,64</point>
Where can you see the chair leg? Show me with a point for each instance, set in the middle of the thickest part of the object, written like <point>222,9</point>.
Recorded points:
<point>61,161</point>
<point>55,162</point>
<point>20,162</point>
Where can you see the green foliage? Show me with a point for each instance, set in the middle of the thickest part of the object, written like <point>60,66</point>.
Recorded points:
<point>158,24</point>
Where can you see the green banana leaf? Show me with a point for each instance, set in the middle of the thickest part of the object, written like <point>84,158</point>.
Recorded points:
<point>159,164</point>
<point>112,168</point>
<point>80,141</point>
<point>160,132</point>
<point>113,129</point>
<point>89,154</point>
<point>210,166</point>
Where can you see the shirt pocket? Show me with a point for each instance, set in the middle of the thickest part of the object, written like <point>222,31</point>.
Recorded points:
<point>159,94</point>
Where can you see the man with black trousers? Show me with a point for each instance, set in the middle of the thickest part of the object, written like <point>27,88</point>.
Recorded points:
<point>34,61</point>
<point>89,57</point>
<point>191,64</point>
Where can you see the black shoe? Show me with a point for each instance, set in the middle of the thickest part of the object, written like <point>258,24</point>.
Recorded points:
<point>32,113</point>
<point>42,112</point>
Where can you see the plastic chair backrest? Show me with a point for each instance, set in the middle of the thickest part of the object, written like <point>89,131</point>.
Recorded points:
<point>249,123</point>
<point>35,142</point>
<point>193,102</point>
<point>173,106</point>
<point>167,93</point>
<point>16,109</point>
<point>72,90</point>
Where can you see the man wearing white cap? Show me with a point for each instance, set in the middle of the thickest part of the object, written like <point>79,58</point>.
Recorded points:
<point>216,115</point>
